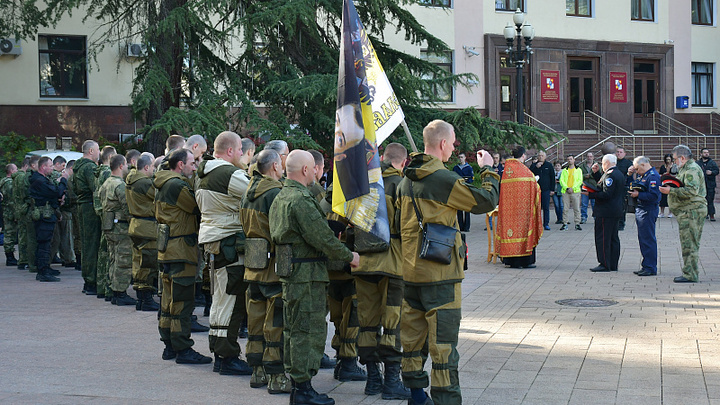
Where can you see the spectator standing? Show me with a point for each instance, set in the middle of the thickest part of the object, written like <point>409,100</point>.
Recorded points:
<point>557,195</point>
<point>587,175</point>
<point>710,170</point>
<point>466,172</point>
<point>571,184</point>
<point>546,180</point>
<point>668,167</point>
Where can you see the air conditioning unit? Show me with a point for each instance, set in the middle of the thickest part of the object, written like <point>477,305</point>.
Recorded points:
<point>136,50</point>
<point>10,47</point>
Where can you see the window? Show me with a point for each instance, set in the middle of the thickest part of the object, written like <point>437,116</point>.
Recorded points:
<point>436,3</point>
<point>63,66</point>
<point>643,10</point>
<point>702,84</point>
<point>702,12</point>
<point>509,5</point>
<point>578,8</point>
<point>441,91</point>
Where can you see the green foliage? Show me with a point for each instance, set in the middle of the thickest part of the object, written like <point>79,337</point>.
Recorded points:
<point>14,147</point>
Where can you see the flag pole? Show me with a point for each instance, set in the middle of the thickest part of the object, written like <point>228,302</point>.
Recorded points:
<point>409,137</point>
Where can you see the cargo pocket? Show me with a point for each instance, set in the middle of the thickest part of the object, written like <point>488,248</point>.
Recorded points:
<point>236,284</point>
<point>183,289</point>
<point>148,258</point>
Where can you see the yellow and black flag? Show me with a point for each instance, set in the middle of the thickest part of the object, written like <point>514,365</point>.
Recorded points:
<point>367,112</point>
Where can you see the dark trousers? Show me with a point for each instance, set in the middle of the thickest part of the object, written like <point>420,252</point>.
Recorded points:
<point>624,213</point>
<point>43,233</point>
<point>545,203</point>
<point>645,219</point>
<point>558,203</point>
<point>710,197</point>
<point>607,242</point>
<point>463,221</point>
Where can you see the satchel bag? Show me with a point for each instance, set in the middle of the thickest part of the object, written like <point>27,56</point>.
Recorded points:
<point>438,241</point>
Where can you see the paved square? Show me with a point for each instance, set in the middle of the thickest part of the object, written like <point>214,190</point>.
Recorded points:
<point>657,345</point>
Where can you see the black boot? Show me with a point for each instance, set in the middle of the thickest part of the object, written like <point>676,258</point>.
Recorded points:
<point>234,366</point>
<point>326,362</point>
<point>10,259</point>
<point>168,352</point>
<point>121,298</point>
<point>393,387</point>
<point>243,332</point>
<point>374,384</point>
<point>195,326</point>
<point>350,370</point>
<point>304,394</point>
<point>44,275</point>
<point>190,356</point>
<point>146,302</point>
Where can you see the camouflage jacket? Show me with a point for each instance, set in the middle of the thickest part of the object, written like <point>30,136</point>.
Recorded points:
<point>6,189</point>
<point>296,219</point>
<point>338,224</point>
<point>254,211</point>
<point>140,197</point>
<point>388,263</point>
<point>439,194</point>
<point>102,173</point>
<point>175,206</point>
<point>219,190</point>
<point>84,180</point>
<point>692,195</point>
<point>114,203</point>
<point>317,191</point>
<point>21,200</point>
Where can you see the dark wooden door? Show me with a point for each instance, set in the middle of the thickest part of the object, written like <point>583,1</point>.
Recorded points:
<point>582,90</point>
<point>646,90</point>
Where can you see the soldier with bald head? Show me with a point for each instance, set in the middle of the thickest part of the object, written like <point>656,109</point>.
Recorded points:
<point>297,225</point>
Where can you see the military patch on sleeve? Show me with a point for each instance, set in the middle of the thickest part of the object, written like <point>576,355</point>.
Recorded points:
<point>609,181</point>
<point>653,183</point>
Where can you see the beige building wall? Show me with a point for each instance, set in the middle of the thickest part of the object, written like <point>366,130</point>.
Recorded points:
<point>705,48</point>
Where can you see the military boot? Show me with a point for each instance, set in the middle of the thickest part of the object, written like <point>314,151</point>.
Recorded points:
<point>121,298</point>
<point>168,353</point>
<point>234,366</point>
<point>304,394</point>
<point>279,384</point>
<point>374,384</point>
<point>195,326</point>
<point>350,370</point>
<point>190,356</point>
<point>44,275</point>
<point>258,378</point>
<point>216,364</point>
<point>10,259</point>
<point>327,362</point>
<point>146,302</point>
<point>393,387</point>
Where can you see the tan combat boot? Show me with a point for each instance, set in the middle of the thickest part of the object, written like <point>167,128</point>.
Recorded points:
<point>279,384</point>
<point>258,378</point>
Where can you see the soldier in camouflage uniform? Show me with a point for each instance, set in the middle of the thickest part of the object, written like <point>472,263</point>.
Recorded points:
<point>140,196</point>
<point>9,220</point>
<point>689,206</point>
<point>177,215</point>
<point>379,285</point>
<point>83,185</point>
<point>431,306</point>
<point>115,223</point>
<point>27,242</point>
<point>102,173</point>
<point>62,242</point>
<point>264,294</point>
<point>296,219</point>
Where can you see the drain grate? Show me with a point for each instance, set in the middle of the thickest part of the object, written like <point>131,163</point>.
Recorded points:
<point>586,303</point>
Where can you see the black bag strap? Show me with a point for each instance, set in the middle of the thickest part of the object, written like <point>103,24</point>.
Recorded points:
<point>417,212</point>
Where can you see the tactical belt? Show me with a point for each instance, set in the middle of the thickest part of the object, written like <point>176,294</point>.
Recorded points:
<point>121,221</point>
<point>182,236</point>
<point>145,218</point>
<point>308,260</point>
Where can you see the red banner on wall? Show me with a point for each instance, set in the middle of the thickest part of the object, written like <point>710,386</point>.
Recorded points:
<point>550,86</point>
<point>618,87</point>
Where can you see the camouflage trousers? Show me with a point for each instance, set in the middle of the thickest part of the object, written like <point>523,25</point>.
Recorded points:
<point>144,263</point>
<point>62,242</point>
<point>342,302</point>
<point>430,324</point>
<point>304,309</point>
<point>177,304</point>
<point>90,240</point>
<point>690,225</point>
<point>27,244</point>
<point>228,310</point>
<point>10,227</point>
<point>120,263</point>
<point>379,303</point>
<point>103,260</point>
<point>265,326</point>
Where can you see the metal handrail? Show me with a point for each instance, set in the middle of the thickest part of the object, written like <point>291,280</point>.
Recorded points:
<point>600,122</point>
<point>530,120</point>
<point>638,146</point>
<point>671,122</point>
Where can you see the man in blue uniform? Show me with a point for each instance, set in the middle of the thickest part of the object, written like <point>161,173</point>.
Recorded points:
<point>646,212</point>
<point>608,212</point>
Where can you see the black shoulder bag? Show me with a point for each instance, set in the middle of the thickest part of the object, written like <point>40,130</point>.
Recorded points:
<point>437,241</point>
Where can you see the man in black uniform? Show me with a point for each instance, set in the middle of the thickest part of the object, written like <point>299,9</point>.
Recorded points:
<point>546,180</point>
<point>47,197</point>
<point>608,211</point>
<point>710,170</point>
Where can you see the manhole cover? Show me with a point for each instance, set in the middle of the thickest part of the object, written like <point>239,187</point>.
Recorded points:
<point>584,302</point>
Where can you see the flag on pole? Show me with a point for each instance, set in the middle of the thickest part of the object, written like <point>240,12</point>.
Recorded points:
<point>367,113</point>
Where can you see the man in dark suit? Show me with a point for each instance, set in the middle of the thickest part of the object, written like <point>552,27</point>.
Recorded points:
<point>546,180</point>
<point>608,212</point>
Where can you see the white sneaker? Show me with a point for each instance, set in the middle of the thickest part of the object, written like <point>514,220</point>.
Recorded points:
<point>661,216</point>
<point>669,215</point>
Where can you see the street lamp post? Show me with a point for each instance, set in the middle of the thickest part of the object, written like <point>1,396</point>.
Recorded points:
<point>519,56</point>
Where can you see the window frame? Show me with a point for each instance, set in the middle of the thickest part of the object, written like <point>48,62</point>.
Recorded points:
<point>695,80</point>
<point>577,7</point>
<point>505,8</point>
<point>640,8</point>
<point>451,89</point>
<point>63,52</point>
<point>436,3</point>
<point>696,4</point>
